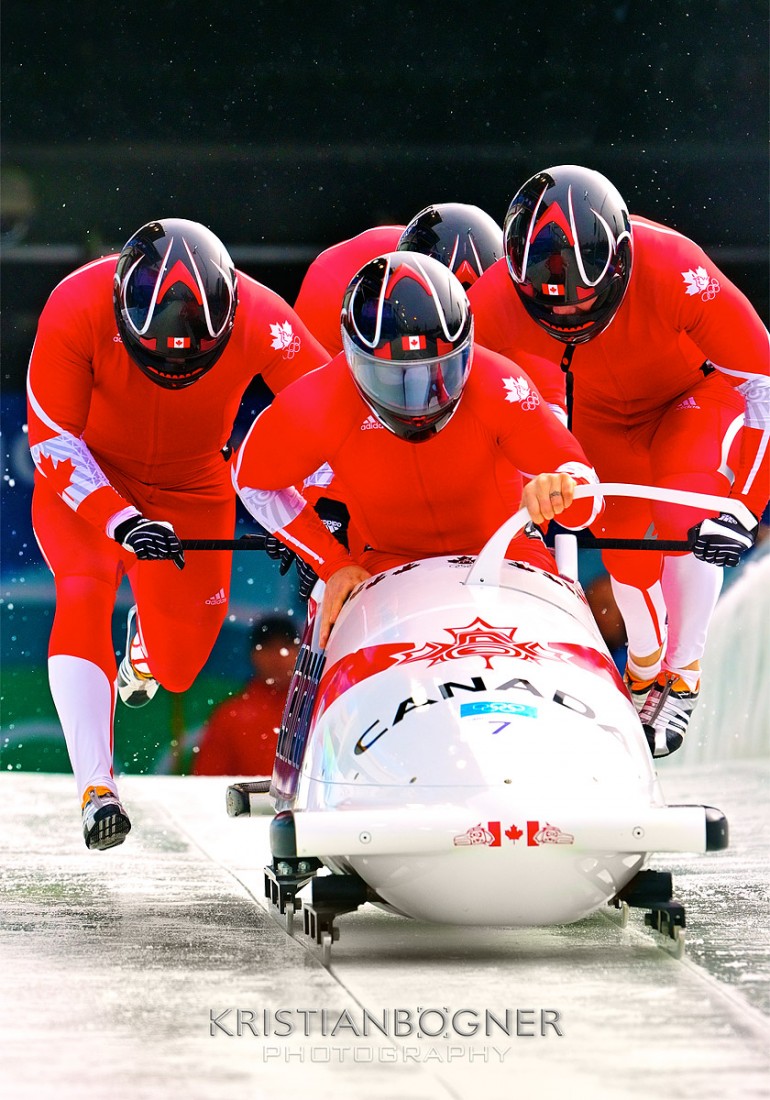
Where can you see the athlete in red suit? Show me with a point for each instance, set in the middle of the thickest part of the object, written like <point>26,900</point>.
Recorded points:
<point>463,237</point>
<point>426,450</point>
<point>660,397</point>
<point>131,403</point>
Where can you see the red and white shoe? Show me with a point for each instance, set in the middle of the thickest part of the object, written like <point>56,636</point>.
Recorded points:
<point>136,684</point>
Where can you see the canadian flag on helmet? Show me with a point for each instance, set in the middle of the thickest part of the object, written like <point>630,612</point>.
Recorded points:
<point>178,342</point>
<point>413,343</point>
<point>553,288</point>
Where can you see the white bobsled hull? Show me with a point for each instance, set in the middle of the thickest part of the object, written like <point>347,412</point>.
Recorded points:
<point>474,756</point>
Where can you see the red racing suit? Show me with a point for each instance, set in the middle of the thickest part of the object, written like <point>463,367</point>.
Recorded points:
<point>660,394</point>
<point>107,442</point>
<point>446,495</point>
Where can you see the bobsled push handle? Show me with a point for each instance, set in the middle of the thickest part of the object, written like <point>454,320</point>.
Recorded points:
<point>486,569</point>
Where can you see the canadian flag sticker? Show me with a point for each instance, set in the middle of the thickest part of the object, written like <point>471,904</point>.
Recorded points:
<point>178,342</point>
<point>553,288</point>
<point>413,343</point>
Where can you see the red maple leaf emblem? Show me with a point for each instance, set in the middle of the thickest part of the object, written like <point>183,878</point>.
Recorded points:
<point>477,639</point>
<point>59,474</point>
<point>513,833</point>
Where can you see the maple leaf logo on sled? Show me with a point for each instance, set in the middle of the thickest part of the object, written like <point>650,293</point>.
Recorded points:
<point>285,339</point>
<point>477,639</point>
<point>520,390</point>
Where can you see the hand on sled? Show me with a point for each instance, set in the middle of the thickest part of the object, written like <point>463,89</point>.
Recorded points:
<point>547,495</point>
<point>338,588</point>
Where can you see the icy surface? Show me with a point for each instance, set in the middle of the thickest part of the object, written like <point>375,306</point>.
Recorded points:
<point>114,963</point>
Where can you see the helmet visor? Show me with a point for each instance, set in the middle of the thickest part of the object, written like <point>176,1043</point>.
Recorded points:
<point>417,391</point>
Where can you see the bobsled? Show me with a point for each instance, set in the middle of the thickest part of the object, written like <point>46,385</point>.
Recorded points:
<point>464,751</point>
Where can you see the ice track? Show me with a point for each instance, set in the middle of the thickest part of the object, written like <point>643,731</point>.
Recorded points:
<point>114,964</point>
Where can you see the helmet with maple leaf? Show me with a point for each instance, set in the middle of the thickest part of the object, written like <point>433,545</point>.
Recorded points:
<point>568,246</point>
<point>175,295</point>
<point>464,238</point>
<point>407,332</point>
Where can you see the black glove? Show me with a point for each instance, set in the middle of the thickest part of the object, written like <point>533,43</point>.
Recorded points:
<point>721,539</point>
<point>150,540</point>
<point>278,550</point>
<point>307,578</point>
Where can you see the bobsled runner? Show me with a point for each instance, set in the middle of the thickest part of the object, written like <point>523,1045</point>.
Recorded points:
<point>464,751</point>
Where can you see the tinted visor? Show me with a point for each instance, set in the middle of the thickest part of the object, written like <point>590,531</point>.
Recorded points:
<point>418,392</point>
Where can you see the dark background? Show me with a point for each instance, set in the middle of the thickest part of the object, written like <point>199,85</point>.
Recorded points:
<point>288,126</point>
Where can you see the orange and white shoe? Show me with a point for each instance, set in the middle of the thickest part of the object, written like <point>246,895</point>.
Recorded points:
<point>105,821</point>
<point>666,712</point>
<point>136,684</point>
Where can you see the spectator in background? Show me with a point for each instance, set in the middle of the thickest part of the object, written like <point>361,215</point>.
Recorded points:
<point>241,734</point>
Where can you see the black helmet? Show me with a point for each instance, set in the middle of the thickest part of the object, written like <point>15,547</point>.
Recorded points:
<point>568,243</point>
<point>407,332</point>
<point>464,238</point>
<point>175,295</point>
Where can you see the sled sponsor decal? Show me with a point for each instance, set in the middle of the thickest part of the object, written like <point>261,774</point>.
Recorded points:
<point>490,835</point>
<point>546,833</point>
<point>472,710</point>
